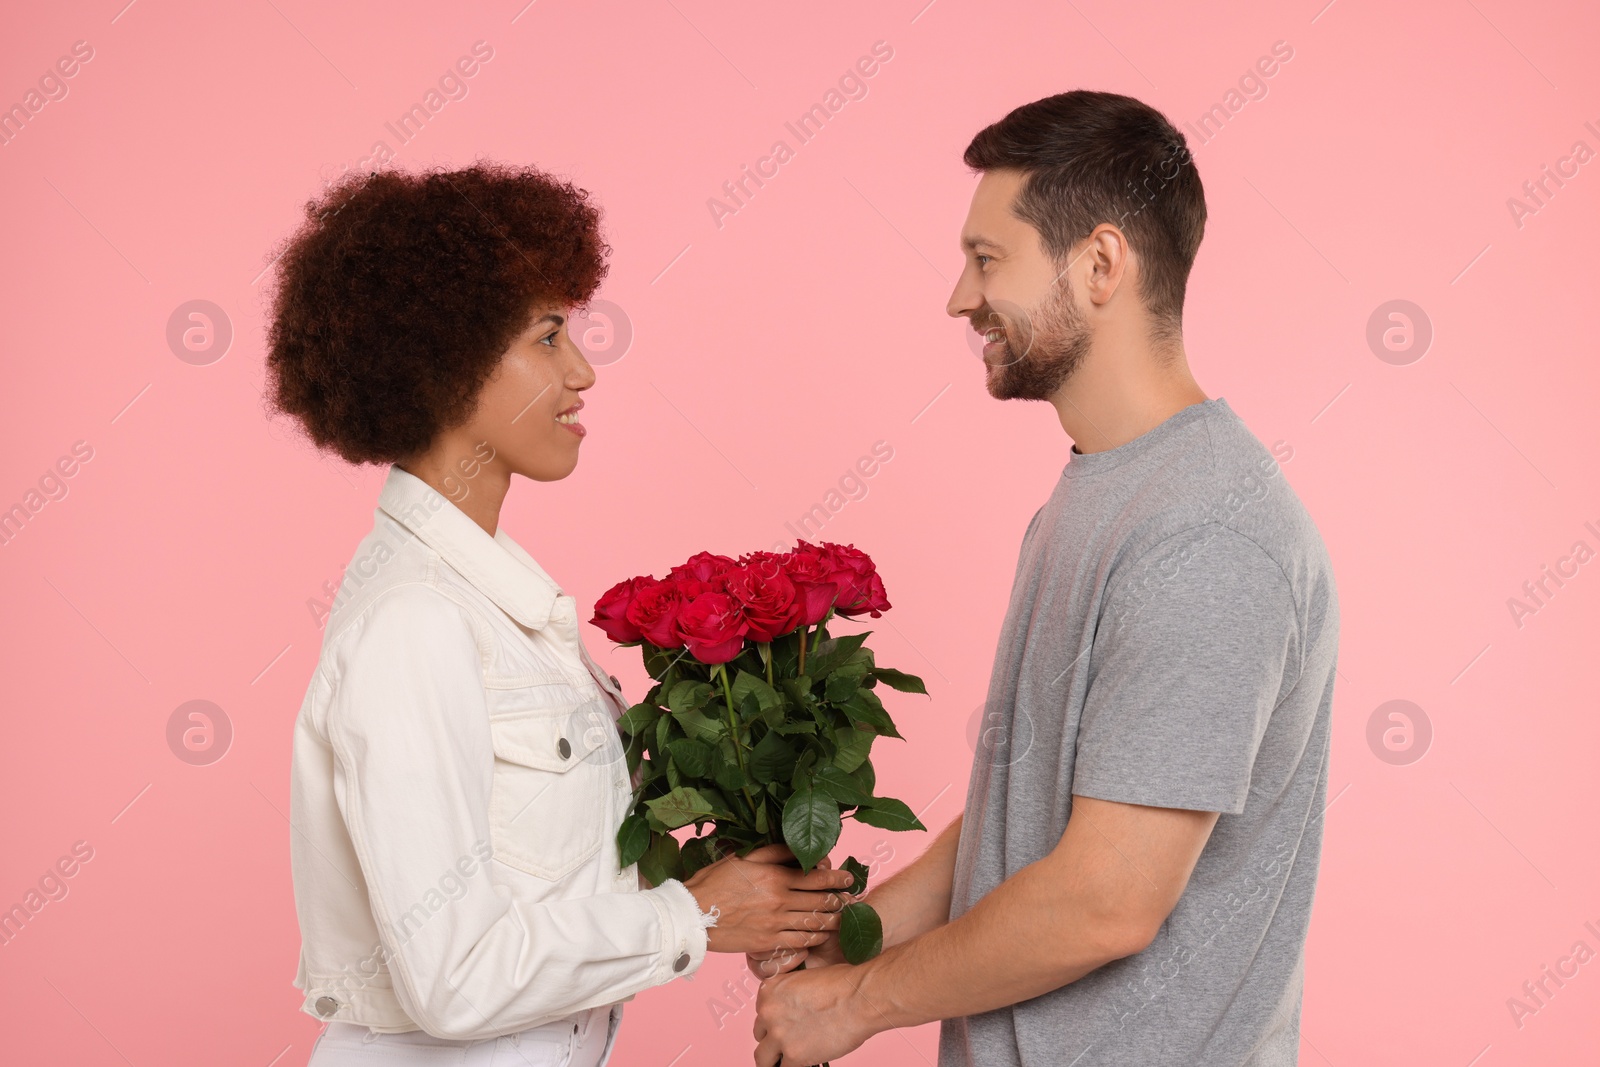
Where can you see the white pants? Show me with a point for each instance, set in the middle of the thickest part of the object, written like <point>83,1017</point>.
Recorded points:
<point>584,1040</point>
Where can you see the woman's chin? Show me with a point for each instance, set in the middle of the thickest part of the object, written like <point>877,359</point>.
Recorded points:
<point>550,470</point>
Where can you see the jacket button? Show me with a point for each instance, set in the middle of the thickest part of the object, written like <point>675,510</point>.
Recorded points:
<point>615,682</point>
<point>326,1006</point>
<point>565,748</point>
<point>681,962</point>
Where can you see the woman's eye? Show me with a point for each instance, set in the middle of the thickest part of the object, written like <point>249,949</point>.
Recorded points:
<point>550,339</point>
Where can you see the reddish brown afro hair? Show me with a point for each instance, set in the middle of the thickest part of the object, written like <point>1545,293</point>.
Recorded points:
<point>399,292</point>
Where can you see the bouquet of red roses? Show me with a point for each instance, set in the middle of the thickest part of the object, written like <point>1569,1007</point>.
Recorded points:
<point>760,723</point>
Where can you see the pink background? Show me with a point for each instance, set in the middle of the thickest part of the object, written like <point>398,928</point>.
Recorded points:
<point>768,355</point>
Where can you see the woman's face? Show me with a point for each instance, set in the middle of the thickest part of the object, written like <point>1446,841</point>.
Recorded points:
<point>527,415</point>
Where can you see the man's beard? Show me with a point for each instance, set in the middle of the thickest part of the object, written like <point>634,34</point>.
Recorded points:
<point>1042,347</point>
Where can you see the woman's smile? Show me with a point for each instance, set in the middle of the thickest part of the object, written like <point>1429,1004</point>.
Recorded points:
<point>569,419</point>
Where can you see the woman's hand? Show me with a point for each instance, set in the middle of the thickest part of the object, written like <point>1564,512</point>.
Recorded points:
<point>763,904</point>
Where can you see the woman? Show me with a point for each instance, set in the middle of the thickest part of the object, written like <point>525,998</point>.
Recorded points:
<point>458,779</point>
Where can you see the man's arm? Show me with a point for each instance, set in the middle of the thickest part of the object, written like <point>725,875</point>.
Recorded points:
<point>1101,894</point>
<point>917,899</point>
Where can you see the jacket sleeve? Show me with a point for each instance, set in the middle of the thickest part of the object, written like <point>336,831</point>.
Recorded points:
<point>409,730</point>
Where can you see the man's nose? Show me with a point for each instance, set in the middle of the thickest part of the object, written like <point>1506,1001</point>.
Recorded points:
<point>964,300</point>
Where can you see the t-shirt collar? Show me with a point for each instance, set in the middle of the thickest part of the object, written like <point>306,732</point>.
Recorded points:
<point>1084,463</point>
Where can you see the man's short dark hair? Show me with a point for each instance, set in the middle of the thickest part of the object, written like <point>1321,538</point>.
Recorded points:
<point>1091,157</point>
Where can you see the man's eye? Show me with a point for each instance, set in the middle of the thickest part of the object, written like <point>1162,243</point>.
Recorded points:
<point>982,259</point>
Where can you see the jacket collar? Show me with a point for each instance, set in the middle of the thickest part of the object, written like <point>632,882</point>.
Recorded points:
<point>496,566</point>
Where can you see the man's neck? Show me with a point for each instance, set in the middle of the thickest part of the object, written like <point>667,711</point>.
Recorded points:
<point>1109,402</point>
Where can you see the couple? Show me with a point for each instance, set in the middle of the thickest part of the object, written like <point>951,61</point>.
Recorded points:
<point>1132,877</point>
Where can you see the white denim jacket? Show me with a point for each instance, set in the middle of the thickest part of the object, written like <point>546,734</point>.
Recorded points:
<point>457,785</point>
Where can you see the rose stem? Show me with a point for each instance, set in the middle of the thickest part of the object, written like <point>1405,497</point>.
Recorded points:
<point>821,626</point>
<point>738,749</point>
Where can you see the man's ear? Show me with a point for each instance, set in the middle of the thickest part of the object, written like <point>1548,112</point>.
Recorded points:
<point>1111,263</point>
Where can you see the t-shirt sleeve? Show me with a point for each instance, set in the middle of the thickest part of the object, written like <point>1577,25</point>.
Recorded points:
<point>1196,641</point>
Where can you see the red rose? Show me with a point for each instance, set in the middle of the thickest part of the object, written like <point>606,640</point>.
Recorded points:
<point>611,611</point>
<point>767,597</point>
<point>809,568</point>
<point>654,611</point>
<point>766,563</point>
<point>702,566</point>
<point>860,589</point>
<point>713,627</point>
<point>689,588</point>
<point>873,600</point>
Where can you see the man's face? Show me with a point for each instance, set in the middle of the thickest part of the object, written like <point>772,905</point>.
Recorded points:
<point>1017,297</point>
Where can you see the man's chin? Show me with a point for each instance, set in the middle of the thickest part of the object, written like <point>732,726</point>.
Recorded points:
<point>999,383</point>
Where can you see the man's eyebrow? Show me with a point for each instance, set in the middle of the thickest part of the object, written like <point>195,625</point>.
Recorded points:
<point>978,241</point>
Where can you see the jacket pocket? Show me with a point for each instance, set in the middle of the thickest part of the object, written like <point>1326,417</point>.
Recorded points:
<point>550,803</point>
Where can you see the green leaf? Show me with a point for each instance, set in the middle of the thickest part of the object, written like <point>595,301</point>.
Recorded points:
<point>638,718</point>
<point>799,690</point>
<point>888,813</point>
<point>905,683</point>
<point>842,685</point>
<point>696,853</point>
<point>689,695</point>
<point>833,652</point>
<point>683,805</point>
<point>811,825</point>
<point>840,786</point>
<point>857,869</point>
<point>692,757</point>
<point>797,726</point>
<point>718,802</point>
<point>699,725</point>
<point>633,837</point>
<point>860,932</point>
<point>864,778</point>
<point>802,769</point>
<point>657,660</point>
<point>661,860</point>
<point>854,745</point>
<point>786,653</point>
<point>772,759</point>
<point>728,775</point>
<point>747,683</point>
<point>865,708</point>
<point>749,707</point>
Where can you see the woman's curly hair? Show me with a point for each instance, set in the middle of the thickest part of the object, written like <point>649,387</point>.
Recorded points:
<point>399,292</point>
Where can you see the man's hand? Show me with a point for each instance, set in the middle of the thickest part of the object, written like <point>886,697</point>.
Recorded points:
<point>783,960</point>
<point>765,905</point>
<point>810,1017</point>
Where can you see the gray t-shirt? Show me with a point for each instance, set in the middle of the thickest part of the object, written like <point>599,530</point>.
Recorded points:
<point>1170,641</point>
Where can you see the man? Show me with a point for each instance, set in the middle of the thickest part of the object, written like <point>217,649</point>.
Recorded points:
<point>1131,880</point>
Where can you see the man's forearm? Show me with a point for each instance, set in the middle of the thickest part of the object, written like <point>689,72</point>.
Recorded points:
<point>917,899</point>
<point>1100,895</point>
<point>1025,938</point>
